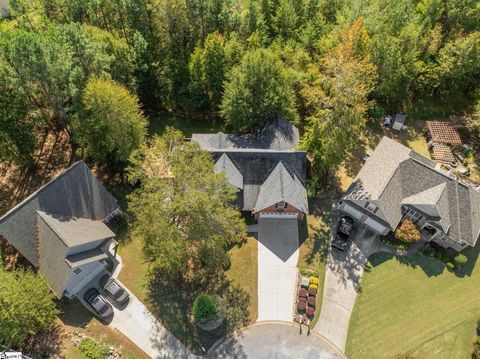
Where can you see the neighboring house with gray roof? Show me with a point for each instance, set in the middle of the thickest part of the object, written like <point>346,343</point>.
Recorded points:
<point>267,171</point>
<point>60,229</point>
<point>397,183</point>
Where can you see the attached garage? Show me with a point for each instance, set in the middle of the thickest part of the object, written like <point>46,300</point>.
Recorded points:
<point>279,215</point>
<point>363,218</point>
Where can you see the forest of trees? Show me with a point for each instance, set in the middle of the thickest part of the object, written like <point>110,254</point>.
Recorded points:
<point>326,65</point>
<point>97,70</point>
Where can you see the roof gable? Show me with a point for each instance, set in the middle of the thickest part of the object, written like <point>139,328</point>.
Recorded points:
<point>430,196</point>
<point>76,193</point>
<point>280,186</point>
<point>225,165</point>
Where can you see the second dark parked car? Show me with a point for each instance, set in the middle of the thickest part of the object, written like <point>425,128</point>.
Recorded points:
<point>114,290</point>
<point>98,303</point>
<point>344,228</point>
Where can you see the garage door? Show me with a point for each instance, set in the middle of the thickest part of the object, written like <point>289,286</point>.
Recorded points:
<point>278,215</point>
<point>363,218</point>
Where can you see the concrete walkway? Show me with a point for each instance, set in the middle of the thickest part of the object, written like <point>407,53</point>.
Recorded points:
<point>275,340</point>
<point>277,268</point>
<point>139,325</point>
<point>342,283</point>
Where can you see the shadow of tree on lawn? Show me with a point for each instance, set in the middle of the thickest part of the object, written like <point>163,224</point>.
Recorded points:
<point>171,303</point>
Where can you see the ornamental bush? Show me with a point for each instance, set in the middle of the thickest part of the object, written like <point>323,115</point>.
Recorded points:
<point>93,349</point>
<point>407,232</point>
<point>204,307</point>
<point>461,259</point>
<point>450,265</point>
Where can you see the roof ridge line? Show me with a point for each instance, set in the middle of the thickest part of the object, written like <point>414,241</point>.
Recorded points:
<point>460,236</point>
<point>46,185</point>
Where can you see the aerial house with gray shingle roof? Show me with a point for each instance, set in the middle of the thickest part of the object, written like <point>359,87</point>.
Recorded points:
<point>397,183</point>
<point>267,171</point>
<point>60,229</point>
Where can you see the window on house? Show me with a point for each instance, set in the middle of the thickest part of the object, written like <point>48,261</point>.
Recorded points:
<point>282,205</point>
<point>77,270</point>
<point>371,207</point>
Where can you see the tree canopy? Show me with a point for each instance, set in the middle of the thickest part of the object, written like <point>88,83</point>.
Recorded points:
<point>183,209</point>
<point>256,91</point>
<point>240,63</point>
<point>111,125</point>
<point>26,307</point>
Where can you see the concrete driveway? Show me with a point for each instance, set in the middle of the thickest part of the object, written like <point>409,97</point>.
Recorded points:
<point>275,340</point>
<point>342,283</point>
<point>139,325</point>
<point>277,268</point>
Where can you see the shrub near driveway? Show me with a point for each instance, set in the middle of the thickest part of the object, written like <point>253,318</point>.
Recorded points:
<point>407,232</point>
<point>204,307</point>
<point>93,349</point>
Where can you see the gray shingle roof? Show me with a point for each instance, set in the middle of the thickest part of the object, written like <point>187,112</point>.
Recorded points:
<point>279,186</point>
<point>394,174</point>
<point>430,196</point>
<point>75,193</point>
<point>52,266</point>
<point>279,135</point>
<point>248,160</point>
<point>225,165</point>
<point>82,258</point>
<point>77,231</point>
<point>256,165</point>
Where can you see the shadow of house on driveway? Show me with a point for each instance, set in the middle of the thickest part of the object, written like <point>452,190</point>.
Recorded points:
<point>279,236</point>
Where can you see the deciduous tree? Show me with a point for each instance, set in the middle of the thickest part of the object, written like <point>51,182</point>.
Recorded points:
<point>183,210</point>
<point>337,94</point>
<point>26,307</point>
<point>256,91</point>
<point>111,125</point>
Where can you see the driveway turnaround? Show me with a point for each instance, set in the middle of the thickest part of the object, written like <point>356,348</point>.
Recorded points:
<point>139,325</point>
<point>277,268</point>
<point>342,283</point>
<point>275,341</point>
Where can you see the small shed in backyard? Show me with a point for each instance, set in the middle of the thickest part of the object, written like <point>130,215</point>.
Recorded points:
<point>399,121</point>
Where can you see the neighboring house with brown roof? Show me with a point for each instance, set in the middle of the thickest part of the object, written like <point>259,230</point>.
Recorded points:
<point>60,229</point>
<point>397,183</point>
<point>267,171</point>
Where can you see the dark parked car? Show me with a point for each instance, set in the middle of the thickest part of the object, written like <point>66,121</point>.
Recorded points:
<point>344,228</point>
<point>114,290</point>
<point>98,303</point>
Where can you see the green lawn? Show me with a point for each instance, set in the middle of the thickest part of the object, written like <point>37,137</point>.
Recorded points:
<point>244,272</point>
<point>134,270</point>
<point>415,306</point>
<point>187,125</point>
<point>313,251</point>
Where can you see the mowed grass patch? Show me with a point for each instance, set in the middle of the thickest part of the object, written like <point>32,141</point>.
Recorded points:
<point>135,268</point>
<point>158,122</point>
<point>244,272</point>
<point>407,304</point>
<point>454,343</point>
<point>313,252</point>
